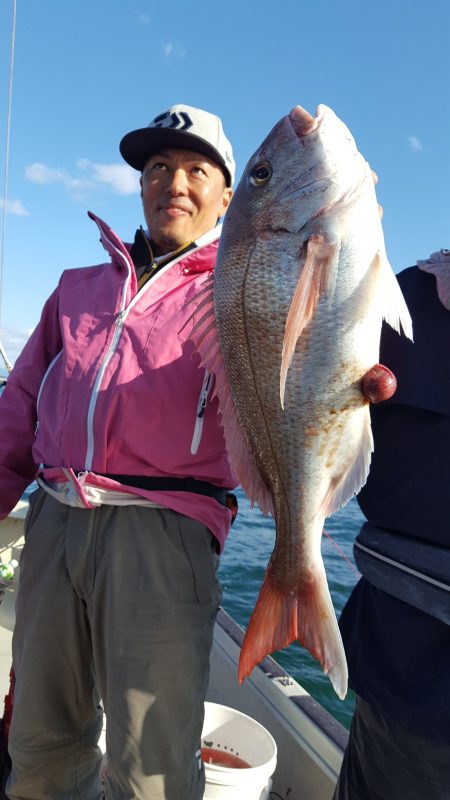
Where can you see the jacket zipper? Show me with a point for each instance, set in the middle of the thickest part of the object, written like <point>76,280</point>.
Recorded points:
<point>96,388</point>
<point>109,354</point>
<point>201,406</point>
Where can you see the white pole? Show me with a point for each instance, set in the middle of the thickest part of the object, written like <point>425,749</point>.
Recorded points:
<point>8,364</point>
<point>5,191</point>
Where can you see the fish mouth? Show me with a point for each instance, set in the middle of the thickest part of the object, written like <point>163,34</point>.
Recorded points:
<point>303,122</point>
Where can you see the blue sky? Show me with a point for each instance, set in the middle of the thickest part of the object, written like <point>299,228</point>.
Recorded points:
<point>88,71</point>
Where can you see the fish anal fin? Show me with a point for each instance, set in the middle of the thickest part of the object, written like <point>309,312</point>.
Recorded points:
<point>306,615</point>
<point>355,455</point>
<point>316,277</point>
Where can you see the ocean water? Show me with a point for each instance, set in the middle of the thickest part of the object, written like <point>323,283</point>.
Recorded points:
<point>241,574</point>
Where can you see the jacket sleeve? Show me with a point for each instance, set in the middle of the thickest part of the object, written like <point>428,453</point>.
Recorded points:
<point>18,415</point>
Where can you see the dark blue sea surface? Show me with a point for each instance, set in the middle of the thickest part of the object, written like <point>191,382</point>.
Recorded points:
<point>241,573</point>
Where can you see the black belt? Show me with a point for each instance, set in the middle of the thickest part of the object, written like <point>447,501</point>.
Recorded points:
<point>157,484</point>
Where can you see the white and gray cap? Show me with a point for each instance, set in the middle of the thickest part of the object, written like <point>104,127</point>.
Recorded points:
<point>184,127</point>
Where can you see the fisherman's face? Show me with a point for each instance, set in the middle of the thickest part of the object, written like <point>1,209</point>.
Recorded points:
<point>183,195</point>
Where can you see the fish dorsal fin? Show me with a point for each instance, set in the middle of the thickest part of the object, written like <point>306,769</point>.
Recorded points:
<point>316,277</point>
<point>393,305</point>
<point>205,337</point>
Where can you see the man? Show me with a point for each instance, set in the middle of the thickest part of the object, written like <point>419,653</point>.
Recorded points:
<point>396,624</point>
<point>107,402</point>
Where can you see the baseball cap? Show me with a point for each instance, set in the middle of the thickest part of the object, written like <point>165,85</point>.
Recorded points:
<point>185,127</point>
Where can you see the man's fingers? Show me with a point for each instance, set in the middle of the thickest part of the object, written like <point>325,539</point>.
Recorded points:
<point>378,384</point>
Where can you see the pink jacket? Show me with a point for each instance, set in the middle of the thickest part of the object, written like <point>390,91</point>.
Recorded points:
<point>108,384</point>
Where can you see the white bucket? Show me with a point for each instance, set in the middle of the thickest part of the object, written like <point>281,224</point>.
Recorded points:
<point>232,732</point>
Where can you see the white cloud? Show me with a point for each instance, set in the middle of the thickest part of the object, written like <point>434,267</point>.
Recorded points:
<point>15,207</point>
<point>144,18</point>
<point>415,144</point>
<point>167,48</point>
<point>119,178</point>
<point>173,49</point>
<point>44,175</point>
<point>40,173</point>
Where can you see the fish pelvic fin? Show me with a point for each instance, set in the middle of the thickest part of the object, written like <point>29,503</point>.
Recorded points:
<point>393,305</point>
<point>316,277</point>
<point>305,615</point>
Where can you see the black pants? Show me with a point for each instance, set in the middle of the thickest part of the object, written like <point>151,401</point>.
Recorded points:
<point>385,762</point>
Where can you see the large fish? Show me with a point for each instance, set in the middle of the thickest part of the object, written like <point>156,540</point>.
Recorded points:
<point>301,286</point>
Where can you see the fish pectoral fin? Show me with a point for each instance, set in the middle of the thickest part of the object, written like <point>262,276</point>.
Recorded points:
<point>354,456</point>
<point>393,305</point>
<point>316,277</point>
<point>306,615</point>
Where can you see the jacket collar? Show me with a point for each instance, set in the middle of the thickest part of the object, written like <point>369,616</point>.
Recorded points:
<point>121,253</point>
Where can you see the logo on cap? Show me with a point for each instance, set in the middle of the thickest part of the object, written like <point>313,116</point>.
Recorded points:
<point>179,122</point>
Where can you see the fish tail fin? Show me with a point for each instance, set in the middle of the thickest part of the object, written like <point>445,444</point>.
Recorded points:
<point>306,615</point>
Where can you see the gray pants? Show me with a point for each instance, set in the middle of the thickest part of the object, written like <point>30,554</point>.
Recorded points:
<point>383,761</point>
<point>117,603</point>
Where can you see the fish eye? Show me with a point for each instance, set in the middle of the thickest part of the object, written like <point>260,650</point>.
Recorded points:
<point>261,174</point>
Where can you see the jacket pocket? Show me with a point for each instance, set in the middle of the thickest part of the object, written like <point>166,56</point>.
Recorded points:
<point>43,382</point>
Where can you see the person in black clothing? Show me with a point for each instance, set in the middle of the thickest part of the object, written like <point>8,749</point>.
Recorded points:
<point>396,623</point>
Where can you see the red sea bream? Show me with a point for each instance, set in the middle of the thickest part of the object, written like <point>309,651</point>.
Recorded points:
<point>302,284</point>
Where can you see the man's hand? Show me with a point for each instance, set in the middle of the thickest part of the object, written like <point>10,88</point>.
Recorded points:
<point>378,384</point>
